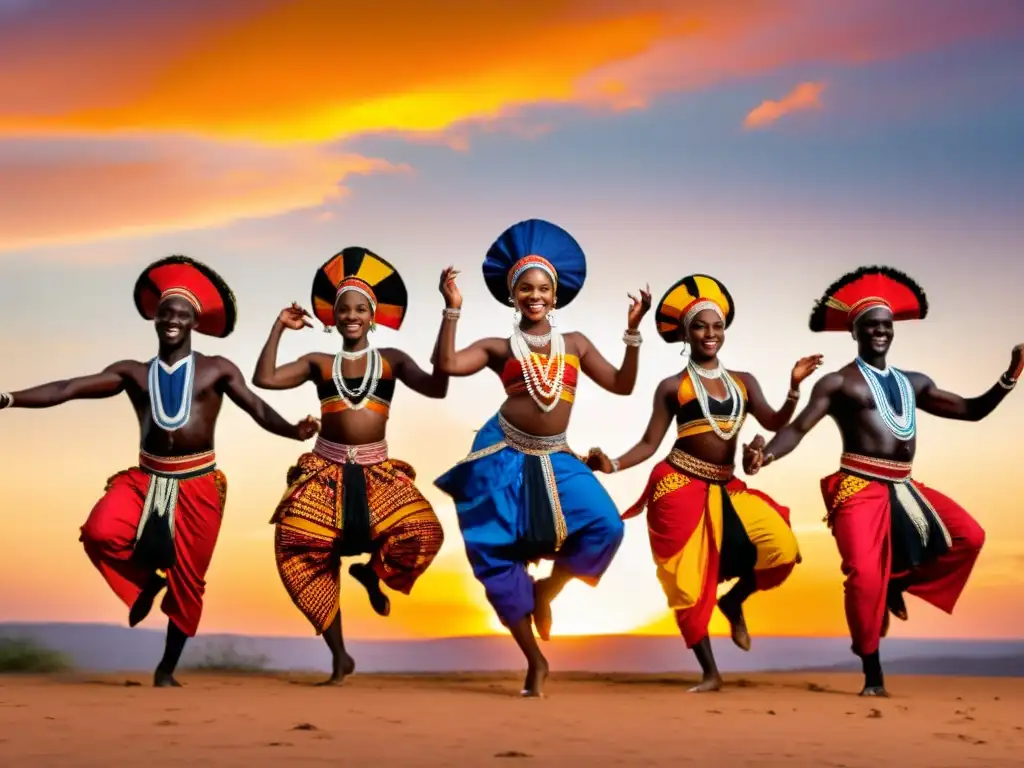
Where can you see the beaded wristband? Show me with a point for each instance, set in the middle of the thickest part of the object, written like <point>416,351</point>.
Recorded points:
<point>1006,382</point>
<point>451,313</point>
<point>632,338</point>
<point>794,394</point>
<point>615,465</point>
<point>6,400</point>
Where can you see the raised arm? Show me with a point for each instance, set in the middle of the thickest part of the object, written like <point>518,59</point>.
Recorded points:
<point>268,374</point>
<point>473,358</point>
<point>947,405</point>
<point>661,417</point>
<point>433,384</point>
<point>107,383</point>
<point>757,454</point>
<point>619,381</point>
<point>758,405</point>
<point>232,384</point>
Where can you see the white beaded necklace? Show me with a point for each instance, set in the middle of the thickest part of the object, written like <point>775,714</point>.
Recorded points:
<point>356,399</point>
<point>738,411</point>
<point>543,387</point>
<point>903,426</point>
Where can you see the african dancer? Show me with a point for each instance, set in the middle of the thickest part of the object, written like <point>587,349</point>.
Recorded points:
<point>157,524</point>
<point>521,495</point>
<point>348,496</point>
<point>705,526</point>
<point>894,534</point>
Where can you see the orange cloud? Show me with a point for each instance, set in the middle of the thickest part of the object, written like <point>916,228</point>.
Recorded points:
<point>75,194</point>
<point>317,70</point>
<point>803,97</point>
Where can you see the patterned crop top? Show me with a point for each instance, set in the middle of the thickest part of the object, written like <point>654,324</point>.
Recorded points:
<point>690,418</point>
<point>513,380</point>
<point>331,402</point>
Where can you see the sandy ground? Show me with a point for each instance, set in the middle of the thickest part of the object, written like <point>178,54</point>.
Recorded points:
<point>256,720</point>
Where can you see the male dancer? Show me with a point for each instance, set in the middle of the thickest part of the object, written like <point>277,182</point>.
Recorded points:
<point>157,524</point>
<point>894,534</point>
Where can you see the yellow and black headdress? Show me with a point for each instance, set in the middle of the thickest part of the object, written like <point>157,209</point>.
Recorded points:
<point>357,269</point>
<point>686,299</point>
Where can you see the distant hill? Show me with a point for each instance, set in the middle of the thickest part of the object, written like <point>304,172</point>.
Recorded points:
<point>104,647</point>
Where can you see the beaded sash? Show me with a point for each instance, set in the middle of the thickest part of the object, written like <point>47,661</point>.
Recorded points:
<point>541,447</point>
<point>364,455</point>
<point>703,470</point>
<point>896,474</point>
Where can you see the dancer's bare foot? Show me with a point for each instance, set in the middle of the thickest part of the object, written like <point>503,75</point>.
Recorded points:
<point>144,602</point>
<point>875,690</point>
<point>542,597</point>
<point>365,575</point>
<point>707,684</point>
<point>733,611</point>
<point>533,685</point>
<point>343,667</point>
<point>895,602</point>
<point>165,680</point>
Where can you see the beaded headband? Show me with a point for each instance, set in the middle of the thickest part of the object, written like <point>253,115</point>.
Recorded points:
<point>182,293</point>
<point>357,285</point>
<point>696,308</point>
<point>531,262</point>
<point>860,307</point>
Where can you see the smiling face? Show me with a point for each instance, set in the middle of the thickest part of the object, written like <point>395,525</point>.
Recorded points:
<point>353,315</point>
<point>874,332</point>
<point>706,335</point>
<point>534,294</point>
<point>174,321</point>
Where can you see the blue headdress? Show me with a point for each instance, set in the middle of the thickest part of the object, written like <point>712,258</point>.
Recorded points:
<point>535,244</point>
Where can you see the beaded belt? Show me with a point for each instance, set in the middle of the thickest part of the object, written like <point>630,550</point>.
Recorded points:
<point>365,455</point>
<point>532,445</point>
<point>878,469</point>
<point>703,470</point>
<point>166,472</point>
<point>179,467</point>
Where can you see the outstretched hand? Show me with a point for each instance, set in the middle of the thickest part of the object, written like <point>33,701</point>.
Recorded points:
<point>638,308</point>
<point>598,461</point>
<point>753,455</point>
<point>308,427</point>
<point>1016,362</point>
<point>295,317</point>
<point>804,367</point>
<point>448,288</point>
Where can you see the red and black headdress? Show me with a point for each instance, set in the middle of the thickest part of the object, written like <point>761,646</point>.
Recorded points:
<point>193,281</point>
<point>358,269</point>
<point>868,288</point>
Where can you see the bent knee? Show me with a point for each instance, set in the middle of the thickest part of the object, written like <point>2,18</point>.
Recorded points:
<point>612,528</point>
<point>974,537</point>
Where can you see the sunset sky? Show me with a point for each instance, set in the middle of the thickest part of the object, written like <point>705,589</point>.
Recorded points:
<point>775,144</point>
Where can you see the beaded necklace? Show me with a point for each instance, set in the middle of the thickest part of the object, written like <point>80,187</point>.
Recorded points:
<point>160,401</point>
<point>543,382</point>
<point>738,412</point>
<point>356,399</point>
<point>903,425</point>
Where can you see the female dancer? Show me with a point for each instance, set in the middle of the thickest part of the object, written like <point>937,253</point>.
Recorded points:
<point>347,496</point>
<point>521,494</point>
<point>705,525</point>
